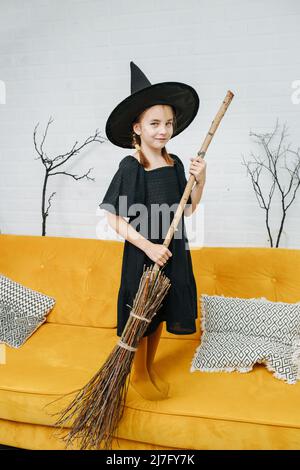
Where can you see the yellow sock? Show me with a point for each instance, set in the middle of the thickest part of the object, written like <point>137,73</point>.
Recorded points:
<point>140,378</point>
<point>2,353</point>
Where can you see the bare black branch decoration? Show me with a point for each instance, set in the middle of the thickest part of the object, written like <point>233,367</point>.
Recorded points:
<point>52,164</point>
<point>277,174</point>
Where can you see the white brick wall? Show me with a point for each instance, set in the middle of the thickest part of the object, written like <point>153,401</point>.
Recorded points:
<point>70,59</point>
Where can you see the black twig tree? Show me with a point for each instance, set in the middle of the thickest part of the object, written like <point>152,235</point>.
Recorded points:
<point>276,173</point>
<point>53,166</point>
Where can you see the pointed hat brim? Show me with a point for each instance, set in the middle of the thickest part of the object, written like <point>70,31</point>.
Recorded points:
<point>182,97</point>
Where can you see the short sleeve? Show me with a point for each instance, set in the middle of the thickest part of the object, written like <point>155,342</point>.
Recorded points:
<point>125,189</point>
<point>182,177</point>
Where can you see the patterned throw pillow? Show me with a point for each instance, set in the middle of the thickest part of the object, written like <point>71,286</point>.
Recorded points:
<point>237,333</point>
<point>22,311</point>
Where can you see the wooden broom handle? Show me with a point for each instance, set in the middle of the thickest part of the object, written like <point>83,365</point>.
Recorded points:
<point>201,153</point>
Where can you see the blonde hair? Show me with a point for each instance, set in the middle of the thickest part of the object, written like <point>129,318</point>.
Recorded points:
<point>136,143</point>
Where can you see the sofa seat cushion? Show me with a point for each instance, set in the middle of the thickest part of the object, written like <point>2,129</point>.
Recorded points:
<point>206,409</point>
<point>57,360</point>
<point>202,409</point>
<point>36,437</point>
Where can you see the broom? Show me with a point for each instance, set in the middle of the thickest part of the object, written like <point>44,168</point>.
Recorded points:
<point>98,407</point>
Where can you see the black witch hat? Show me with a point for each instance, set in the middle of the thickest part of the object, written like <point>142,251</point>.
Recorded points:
<point>183,98</point>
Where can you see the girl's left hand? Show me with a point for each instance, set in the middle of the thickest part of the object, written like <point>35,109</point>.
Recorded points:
<point>198,169</point>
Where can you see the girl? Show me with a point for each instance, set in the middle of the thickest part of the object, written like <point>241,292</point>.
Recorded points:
<point>147,189</point>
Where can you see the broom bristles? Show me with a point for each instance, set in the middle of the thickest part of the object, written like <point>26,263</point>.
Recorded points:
<point>99,406</point>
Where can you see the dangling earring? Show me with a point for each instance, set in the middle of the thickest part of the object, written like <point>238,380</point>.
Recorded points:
<point>135,143</point>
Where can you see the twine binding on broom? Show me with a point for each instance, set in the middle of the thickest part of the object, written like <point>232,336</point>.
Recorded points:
<point>140,318</point>
<point>126,346</point>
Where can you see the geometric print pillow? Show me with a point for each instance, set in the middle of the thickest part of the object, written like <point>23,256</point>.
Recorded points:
<point>22,311</point>
<point>237,333</point>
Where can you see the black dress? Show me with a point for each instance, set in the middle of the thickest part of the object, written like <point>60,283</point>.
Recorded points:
<point>150,199</point>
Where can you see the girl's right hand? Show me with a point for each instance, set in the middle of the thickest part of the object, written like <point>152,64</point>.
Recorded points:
<point>157,253</point>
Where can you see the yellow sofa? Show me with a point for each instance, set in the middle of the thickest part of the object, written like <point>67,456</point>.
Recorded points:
<point>204,411</point>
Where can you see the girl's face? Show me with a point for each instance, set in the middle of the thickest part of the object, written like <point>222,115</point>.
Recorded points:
<point>156,126</point>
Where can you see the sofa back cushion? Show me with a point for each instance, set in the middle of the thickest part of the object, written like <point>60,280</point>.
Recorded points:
<point>245,272</point>
<point>82,275</point>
